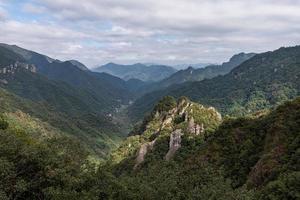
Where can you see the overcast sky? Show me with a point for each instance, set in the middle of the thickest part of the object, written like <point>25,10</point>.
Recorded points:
<point>156,31</point>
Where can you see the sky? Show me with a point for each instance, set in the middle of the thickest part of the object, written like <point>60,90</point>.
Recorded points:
<point>169,32</point>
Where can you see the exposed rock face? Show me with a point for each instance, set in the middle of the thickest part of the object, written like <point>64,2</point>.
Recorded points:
<point>3,81</point>
<point>194,128</point>
<point>174,144</point>
<point>218,114</point>
<point>180,110</point>
<point>167,121</point>
<point>184,117</point>
<point>142,152</point>
<point>12,68</point>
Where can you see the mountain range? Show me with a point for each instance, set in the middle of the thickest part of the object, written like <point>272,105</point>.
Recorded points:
<point>185,150</point>
<point>263,81</point>
<point>196,66</point>
<point>227,131</point>
<point>139,71</point>
<point>191,74</point>
<point>88,100</point>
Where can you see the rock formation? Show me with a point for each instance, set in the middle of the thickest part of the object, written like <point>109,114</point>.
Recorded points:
<point>183,118</point>
<point>12,68</point>
<point>142,152</point>
<point>174,144</point>
<point>194,128</point>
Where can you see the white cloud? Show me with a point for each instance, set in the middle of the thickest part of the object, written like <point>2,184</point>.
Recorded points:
<point>35,9</point>
<point>3,14</point>
<point>165,31</point>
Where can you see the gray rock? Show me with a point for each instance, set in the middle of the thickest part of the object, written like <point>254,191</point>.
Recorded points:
<point>142,152</point>
<point>174,144</point>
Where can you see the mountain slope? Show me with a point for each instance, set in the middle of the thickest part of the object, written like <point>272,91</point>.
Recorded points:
<point>58,106</point>
<point>74,75</point>
<point>196,66</point>
<point>191,74</point>
<point>79,103</point>
<point>79,65</point>
<point>261,82</point>
<point>244,158</point>
<point>137,71</point>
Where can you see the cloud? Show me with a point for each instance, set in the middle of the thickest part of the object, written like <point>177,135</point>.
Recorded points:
<point>34,9</point>
<point>3,14</point>
<point>166,31</point>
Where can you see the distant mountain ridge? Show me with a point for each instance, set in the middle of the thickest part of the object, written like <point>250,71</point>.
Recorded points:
<point>85,102</point>
<point>75,74</point>
<point>137,71</point>
<point>79,65</point>
<point>195,65</point>
<point>192,74</point>
<point>261,82</point>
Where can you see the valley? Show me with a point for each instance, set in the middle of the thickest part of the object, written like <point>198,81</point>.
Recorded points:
<point>149,100</point>
<point>224,132</point>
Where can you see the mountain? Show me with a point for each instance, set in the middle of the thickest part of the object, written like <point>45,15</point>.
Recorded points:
<point>79,65</point>
<point>183,151</point>
<point>102,86</point>
<point>263,81</point>
<point>196,66</point>
<point>54,126</point>
<point>187,151</point>
<point>31,57</point>
<point>137,71</point>
<point>80,103</point>
<point>68,117</point>
<point>179,117</point>
<point>194,74</point>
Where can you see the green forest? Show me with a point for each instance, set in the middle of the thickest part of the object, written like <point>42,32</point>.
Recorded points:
<point>242,158</point>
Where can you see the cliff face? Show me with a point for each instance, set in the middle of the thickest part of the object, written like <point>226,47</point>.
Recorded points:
<point>174,144</point>
<point>12,68</point>
<point>8,70</point>
<point>171,120</point>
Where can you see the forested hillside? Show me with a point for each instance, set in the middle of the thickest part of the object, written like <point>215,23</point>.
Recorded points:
<point>190,74</point>
<point>76,102</point>
<point>149,100</point>
<point>243,158</point>
<point>261,82</point>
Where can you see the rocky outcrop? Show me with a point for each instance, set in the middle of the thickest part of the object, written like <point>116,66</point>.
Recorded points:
<point>142,152</point>
<point>12,68</point>
<point>168,120</point>
<point>185,117</point>
<point>179,110</point>
<point>194,128</point>
<point>174,144</point>
<point>219,116</point>
<point>3,81</point>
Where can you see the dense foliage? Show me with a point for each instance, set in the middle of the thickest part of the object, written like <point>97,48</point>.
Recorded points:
<point>77,102</point>
<point>98,133</point>
<point>246,158</point>
<point>48,129</point>
<point>190,74</point>
<point>263,81</point>
<point>36,167</point>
